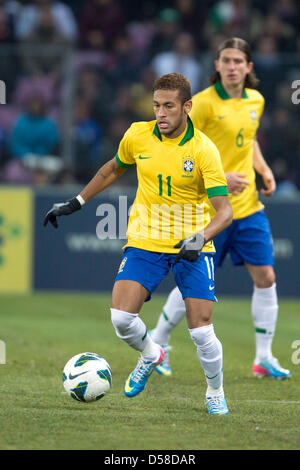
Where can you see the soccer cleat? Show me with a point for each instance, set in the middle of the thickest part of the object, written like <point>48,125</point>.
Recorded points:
<point>217,405</point>
<point>270,368</point>
<point>164,367</point>
<point>137,380</point>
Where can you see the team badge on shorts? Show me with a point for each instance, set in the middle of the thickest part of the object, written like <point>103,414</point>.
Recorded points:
<point>123,262</point>
<point>188,165</point>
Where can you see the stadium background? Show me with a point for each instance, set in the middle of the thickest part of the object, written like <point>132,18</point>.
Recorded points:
<point>77,73</point>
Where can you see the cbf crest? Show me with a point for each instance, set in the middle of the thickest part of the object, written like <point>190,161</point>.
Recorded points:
<point>188,166</point>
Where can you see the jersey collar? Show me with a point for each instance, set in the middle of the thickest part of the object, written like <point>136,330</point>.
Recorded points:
<point>187,136</point>
<point>223,93</point>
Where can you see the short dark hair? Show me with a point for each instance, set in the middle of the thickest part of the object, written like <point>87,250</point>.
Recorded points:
<point>175,81</point>
<point>251,81</point>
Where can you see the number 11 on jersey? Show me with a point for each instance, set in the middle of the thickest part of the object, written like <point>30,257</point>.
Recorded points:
<point>160,185</point>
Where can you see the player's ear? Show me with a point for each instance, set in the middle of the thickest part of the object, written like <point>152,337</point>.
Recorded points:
<point>217,65</point>
<point>188,106</point>
<point>250,67</point>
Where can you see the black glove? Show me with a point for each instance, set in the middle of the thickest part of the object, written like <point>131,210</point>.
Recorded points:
<point>64,208</point>
<point>190,248</point>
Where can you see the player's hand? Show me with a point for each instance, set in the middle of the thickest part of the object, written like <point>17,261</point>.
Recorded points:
<point>269,182</point>
<point>59,209</point>
<point>236,182</point>
<point>190,248</point>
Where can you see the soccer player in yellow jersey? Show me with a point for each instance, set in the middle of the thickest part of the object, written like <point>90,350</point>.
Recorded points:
<point>228,112</point>
<point>170,227</point>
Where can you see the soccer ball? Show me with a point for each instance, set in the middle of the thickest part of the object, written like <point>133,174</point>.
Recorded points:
<point>87,377</point>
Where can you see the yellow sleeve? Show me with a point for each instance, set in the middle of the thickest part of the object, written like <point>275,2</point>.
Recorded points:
<point>262,106</point>
<point>212,171</point>
<point>125,154</point>
<point>200,112</point>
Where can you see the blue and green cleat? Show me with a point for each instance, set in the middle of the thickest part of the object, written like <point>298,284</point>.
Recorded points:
<point>137,380</point>
<point>217,405</point>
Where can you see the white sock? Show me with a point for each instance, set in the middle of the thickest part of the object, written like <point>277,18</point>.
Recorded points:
<point>210,354</point>
<point>131,329</point>
<point>173,312</point>
<point>264,314</point>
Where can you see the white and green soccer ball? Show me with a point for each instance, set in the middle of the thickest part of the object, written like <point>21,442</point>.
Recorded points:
<point>87,377</point>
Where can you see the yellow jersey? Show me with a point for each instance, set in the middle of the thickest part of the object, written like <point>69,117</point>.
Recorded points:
<point>175,179</point>
<point>231,123</point>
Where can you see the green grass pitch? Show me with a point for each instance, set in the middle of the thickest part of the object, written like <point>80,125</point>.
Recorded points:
<point>42,331</point>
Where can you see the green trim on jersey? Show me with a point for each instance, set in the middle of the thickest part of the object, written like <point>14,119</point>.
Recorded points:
<point>121,164</point>
<point>187,136</point>
<point>217,191</point>
<point>223,93</point>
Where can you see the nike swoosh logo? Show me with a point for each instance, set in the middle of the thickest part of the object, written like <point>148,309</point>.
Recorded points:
<point>71,377</point>
<point>211,287</point>
<point>221,117</point>
<point>143,158</point>
<point>212,377</point>
<point>127,386</point>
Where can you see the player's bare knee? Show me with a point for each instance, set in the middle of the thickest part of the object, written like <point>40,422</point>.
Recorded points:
<point>266,277</point>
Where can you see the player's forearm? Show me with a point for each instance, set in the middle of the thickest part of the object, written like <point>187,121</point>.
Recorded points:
<point>105,176</point>
<point>259,163</point>
<point>222,218</point>
<point>219,223</point>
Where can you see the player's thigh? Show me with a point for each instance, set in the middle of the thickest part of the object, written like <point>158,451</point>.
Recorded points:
<point>129,296</point>
<point>262,276</point>
<point>139,274</point>
<point>198,312</point>
<point>196,284</point>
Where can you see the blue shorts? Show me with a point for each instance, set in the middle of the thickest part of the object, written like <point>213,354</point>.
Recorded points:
<point>194,279</point>
<point>247,240</point>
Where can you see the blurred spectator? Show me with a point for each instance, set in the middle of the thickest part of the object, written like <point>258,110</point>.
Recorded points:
<point>64,20</point>
<point>94,87</point>
<point>181,59</point>
<point>267,65</point>
<point>122,45</point>
<point>47,59</point>
<point>192,19</point>
<point>208,58</point>
<point>288,11</point>
<point>33,140</point>
<point>124,67</point>
<point>3,144</point>
<point>142,95</point>
<point>11,7</point>
<point>283,33</point>
<point>229,17</point>
<point>100,22</point>
<point>283,141</point>
<point>168,27</point>
<point>8,61</point>
<point>286,188</point>
<point>7,32</point>
<point>142,32</point>
<point>123,104</point>
<point>87,141</point>
<point>118,125</point>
